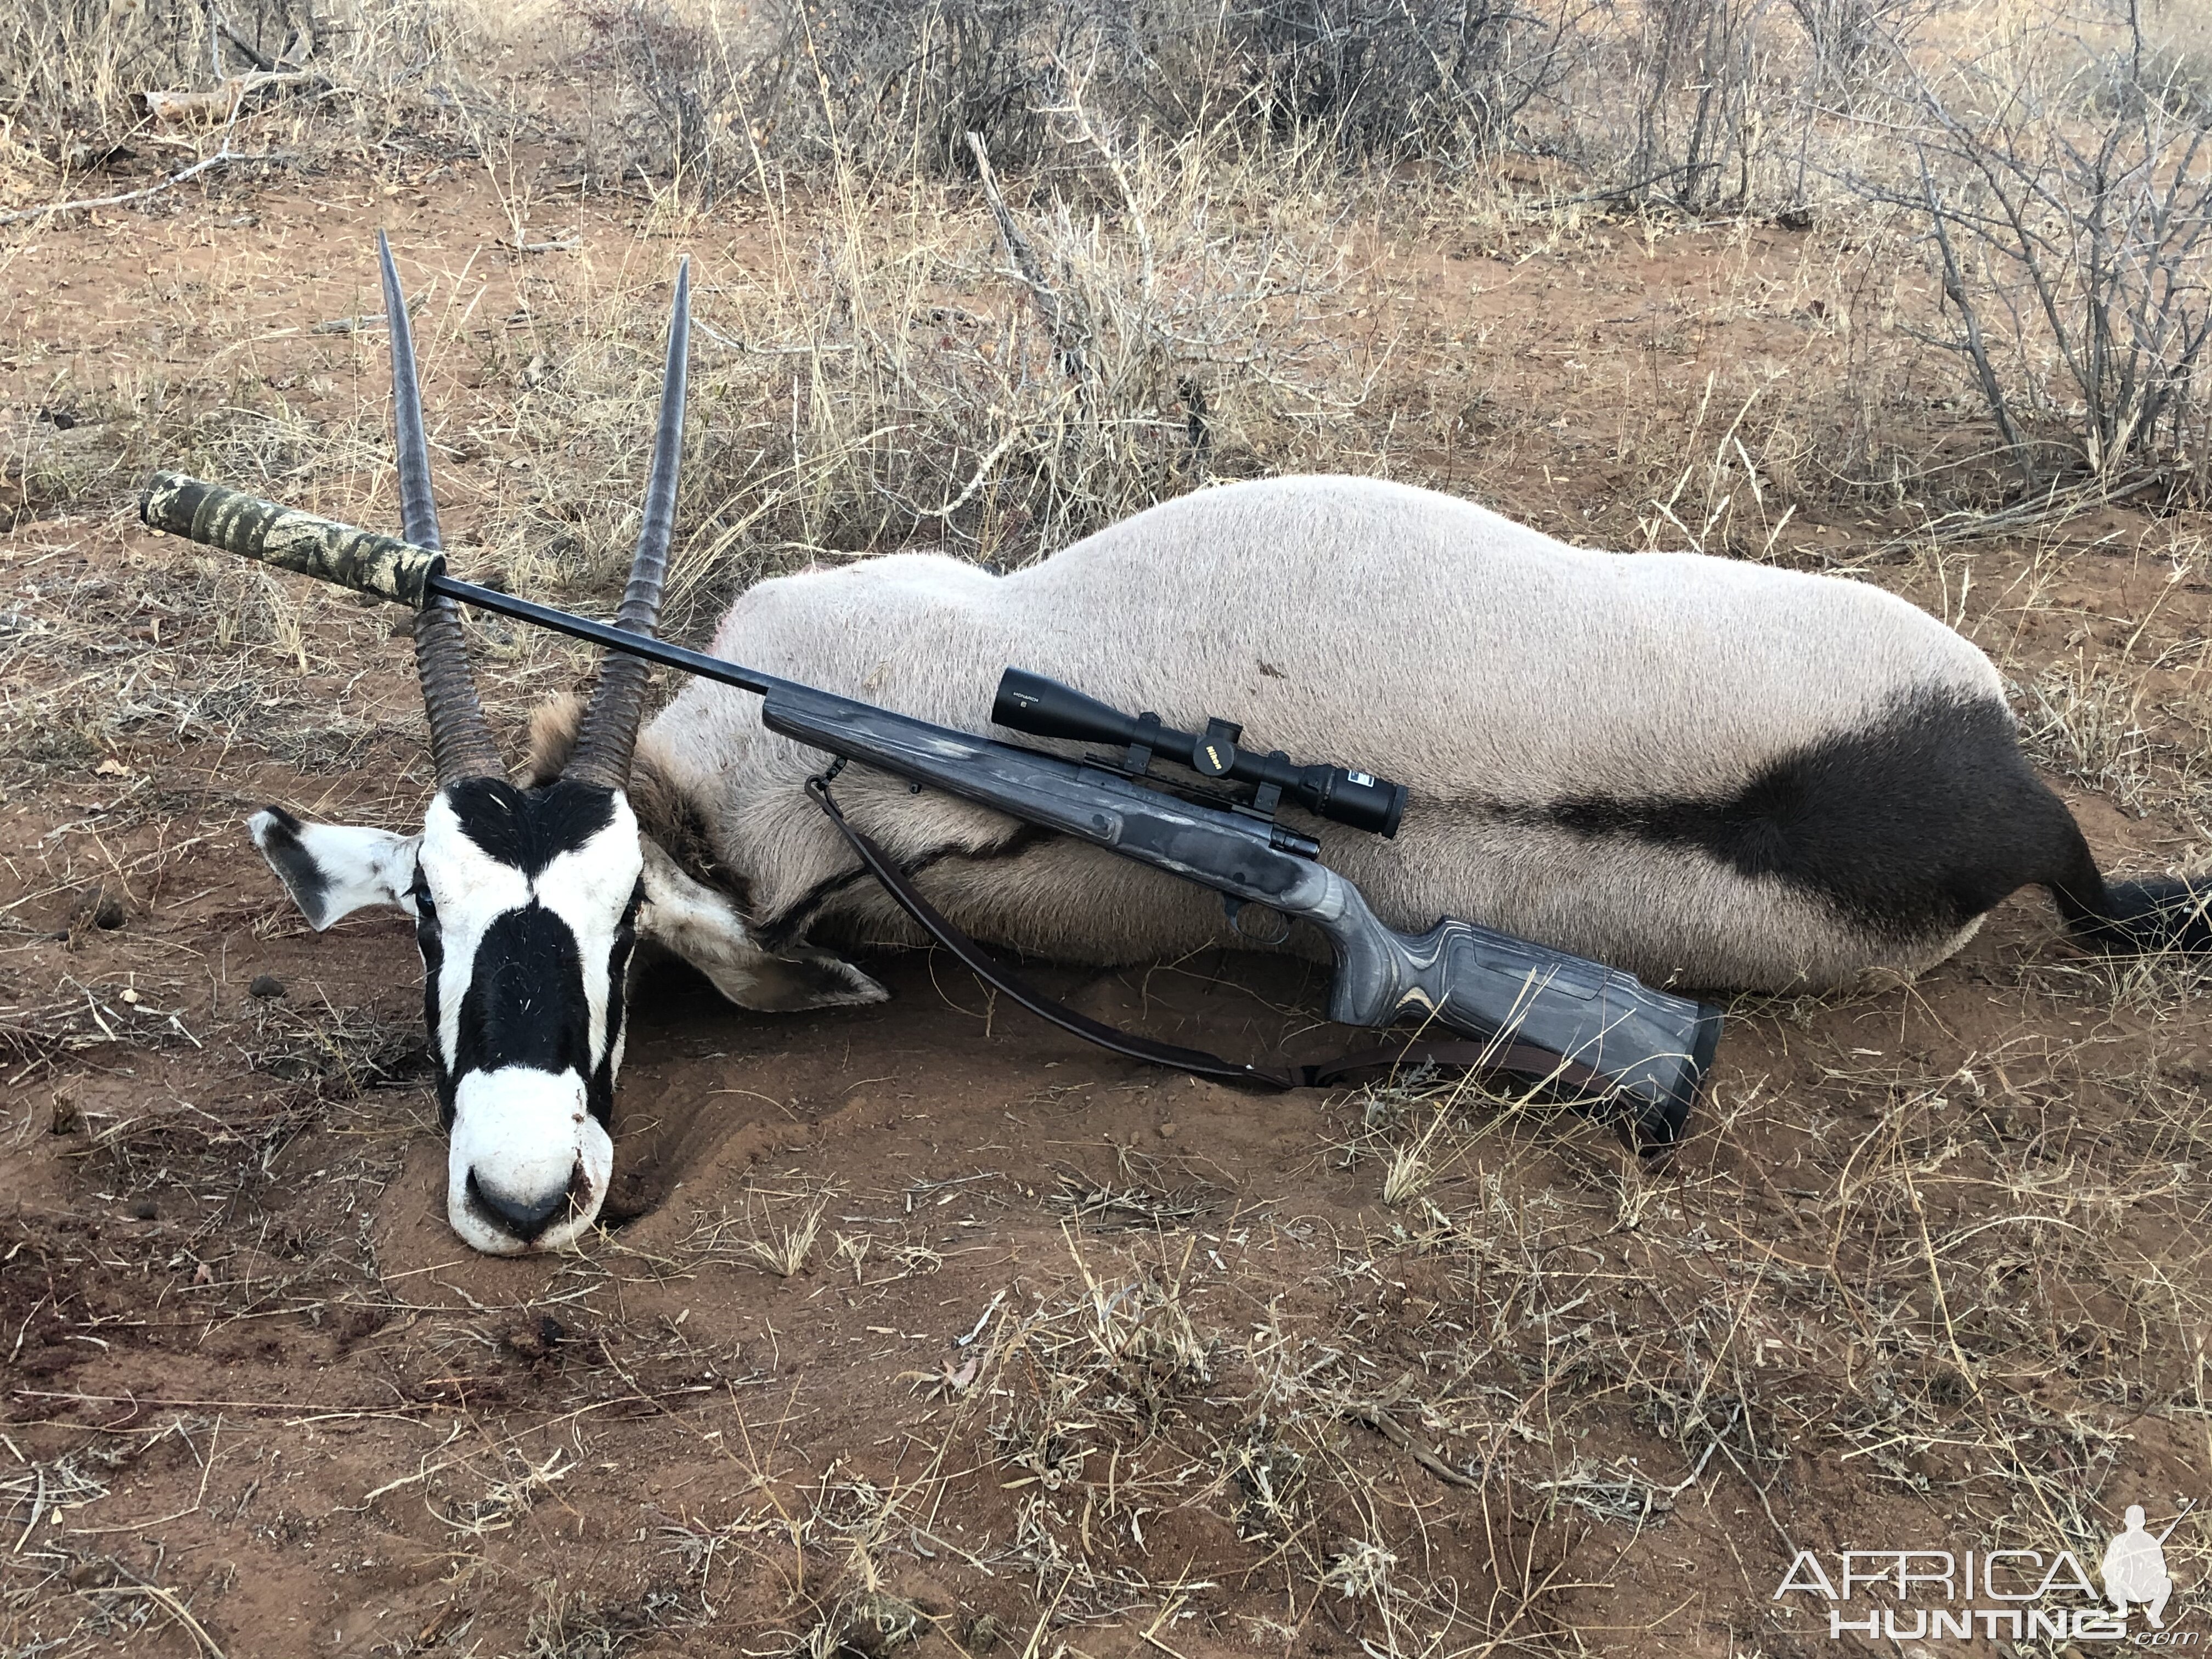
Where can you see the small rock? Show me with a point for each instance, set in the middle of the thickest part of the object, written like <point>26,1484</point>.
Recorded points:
<point>144,1210</point>
<point>1167,1131</point>
<point>537,1339</point>
<point>403,625</point>
<point>265,985</point>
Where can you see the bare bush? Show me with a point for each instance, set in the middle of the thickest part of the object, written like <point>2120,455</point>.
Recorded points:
<point>68,68</point>
<point>890,84</point>
<point>1394,78</point>
<point>1043,383</point>
<point>897,85</point>
<point>73,73</point>
<point>2066,224</point>
<point>910,81</point>
<point>1697,124</point>
<point>906,379</point>
<point>1707,106</point>
<point>1850,38</point>
<point>661,84</point>
<point>2172,40</point>
<point>1702,105</point>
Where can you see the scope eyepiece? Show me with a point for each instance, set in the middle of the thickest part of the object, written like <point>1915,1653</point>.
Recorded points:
<point>1046,709</point>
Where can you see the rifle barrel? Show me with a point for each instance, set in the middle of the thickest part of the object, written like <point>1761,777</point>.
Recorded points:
<point>607,635</point>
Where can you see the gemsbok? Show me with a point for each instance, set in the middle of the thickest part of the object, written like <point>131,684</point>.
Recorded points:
<point>1712,774</point>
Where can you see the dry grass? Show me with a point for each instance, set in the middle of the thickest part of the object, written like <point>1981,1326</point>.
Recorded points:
<point>777,1238</point>
<point>270,82</point>
<point>1934,1255</point>
<point>900,382</point>
<point>2180,35</point>
<point>2087,725</point>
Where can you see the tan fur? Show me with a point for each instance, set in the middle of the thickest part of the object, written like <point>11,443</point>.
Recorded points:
<point>552,739</point>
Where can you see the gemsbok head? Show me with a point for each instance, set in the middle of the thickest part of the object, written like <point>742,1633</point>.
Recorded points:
<point>529,902</point>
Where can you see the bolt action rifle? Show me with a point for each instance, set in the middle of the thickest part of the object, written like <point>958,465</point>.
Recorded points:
<point>1572,1028</point>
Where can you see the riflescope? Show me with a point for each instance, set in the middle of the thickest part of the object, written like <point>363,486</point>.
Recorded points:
<point>1046,709</point>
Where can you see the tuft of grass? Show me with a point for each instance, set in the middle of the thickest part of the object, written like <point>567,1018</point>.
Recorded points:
<point>759,1238</point>
<point>2088,724</point>
<point>1408,1176</point>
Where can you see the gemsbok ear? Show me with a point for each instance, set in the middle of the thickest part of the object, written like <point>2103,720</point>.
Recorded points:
<point>693,921</point>
<point>332,870</point>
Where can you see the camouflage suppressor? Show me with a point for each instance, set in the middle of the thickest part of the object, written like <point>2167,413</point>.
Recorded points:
<point>290,539</point>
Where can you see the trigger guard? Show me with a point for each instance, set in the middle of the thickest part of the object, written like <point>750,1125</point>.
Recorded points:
<point>1235,908</point>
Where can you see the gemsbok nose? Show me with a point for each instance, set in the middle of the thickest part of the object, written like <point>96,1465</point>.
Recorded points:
<point>525,1218</point>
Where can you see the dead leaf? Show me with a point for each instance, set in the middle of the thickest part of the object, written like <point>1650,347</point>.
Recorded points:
<point>951,1381</point>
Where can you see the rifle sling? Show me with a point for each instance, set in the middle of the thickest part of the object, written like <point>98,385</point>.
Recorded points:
<point>1525,1061</point>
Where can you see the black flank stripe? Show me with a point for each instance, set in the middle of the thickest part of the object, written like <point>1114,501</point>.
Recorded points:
<point>1918,824</point>
<point>778,933</point>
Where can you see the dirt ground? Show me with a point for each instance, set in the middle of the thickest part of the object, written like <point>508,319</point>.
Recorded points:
<point>920,1328</point>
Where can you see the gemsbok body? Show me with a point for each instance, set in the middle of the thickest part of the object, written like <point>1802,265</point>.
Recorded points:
<point>1714,774</point>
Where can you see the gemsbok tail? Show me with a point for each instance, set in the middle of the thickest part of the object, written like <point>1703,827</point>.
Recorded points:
<point>2165,912</point>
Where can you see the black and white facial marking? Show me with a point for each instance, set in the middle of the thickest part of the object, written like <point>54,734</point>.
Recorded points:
<point>331,870</point>
<point>526,906</point>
